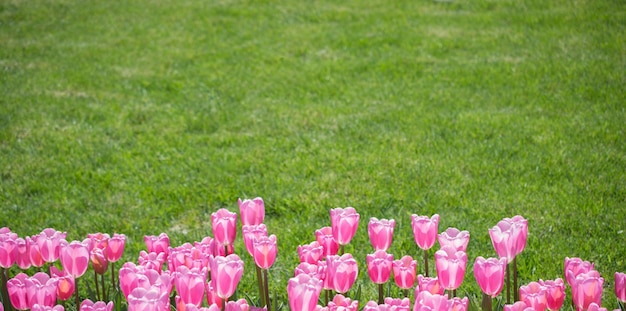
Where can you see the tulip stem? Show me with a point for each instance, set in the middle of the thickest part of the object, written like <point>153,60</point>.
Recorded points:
<point>77,300</point>
<point>326,296</point>
<point>426,262</point>
<point>259,277</point>
<point>341,250</point>
<point>381,295</point>
<point>406,293</point>
<point>266,289</point>
<point>449,294</point>
<point>5,292</point>
<point>113,275</point>
<point>104,291</point>
<point>508,283</point>
<point>621,305</point>
<point>95,278</point>
<point>515,288</point>
<point>487,303</point>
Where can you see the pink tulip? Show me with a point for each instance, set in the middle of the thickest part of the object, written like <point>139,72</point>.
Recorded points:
<point>98,240</point>
<point>251,232</point>
<point>128,278</point>
<point>34,253</point>
<point>520,232</point>
<point>534,295</point>
<point>427,301</point>
<point>22,253</point>
<point>342,272</point>
<point>576,266</point>
<point>344,223</point>
<point>428,284</point>
<point>380,233</point>
<point>16,288</point>
<point>190,284</point>
<point>425,230</point>
<point>594,307</point>
<point>265,250</point>
<point>99,261</point>
<point>303,292</point>
<point>37,307</point>
<point>555,293</point>
<point>587,288</point>
<point>49,243</point>
<point>518,306</point>
<point>190,307</point>
<point>88,305</point>
<point>489,274</point>
<point>65,283</point>
<point>115,247</point>
<point>325,238</point>
<point>252,211</point>
<point>239,305</point>
<point>225,274</point>
<point>157,244</point>
<point>341,303</point>
<point>314,270</point>
<point>224,226</point>
<point>74,257</point>
<point>310,253</point>
<point>141,299</point>
<point>8,251</point>
<point>455,238</point>
<point>153,261</point>
<point>450,265</point>
<point>503,240</point>
<point>211,296</point>
<point>458,304</point>
<point>379,266</point>
<point>399,304</point>
<point>41,290</point>
<point>404,272</point>
<point>620,286</point>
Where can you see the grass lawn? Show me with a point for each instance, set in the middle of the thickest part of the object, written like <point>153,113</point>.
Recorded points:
<point>145,116</point>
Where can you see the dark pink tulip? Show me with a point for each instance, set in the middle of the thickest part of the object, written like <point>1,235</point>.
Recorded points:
<point>152,261</point>
<point>620,286</point>
<point>225,274</point>
<point>34,253</point>
<point>342,303</point>
<point>380,233</point>
<point>251,232</point>
<point>252,211</point>
<point>17,291</point>
<point>49,244</point>
<point>503,240</point>
<point>455,238</point>
<point>427,301</point>
<point>518,306</point>
<point>265,250</point>
<point>489,274</point>
<point>22,253</point>
<point>41,290</point>
<point>451,265</point>
<point>8,251</point>
<point>303,292</point>
<point>429,284</point>
<point>37,307</point>
<point>99,261</point>
<point>65,283</point>
<point>344,222</point>
<point>404,272</point>
<point>576,266</point>
<point>74,257</point>
<point>190,284</point>
<point>379,266</point>
<point>325,237</point>
<point>555,293</point>
<point>224,226</point>
<point>115,247</point>
<point>587,288</point>
<point>88,305</point>
<point>458,304</point>
<point>157,244</point>
<point>141,299</point>
<point>534,295</point>
<point>310,253</point>
<point>425,230</point>
<point>594,307</point>
<point>341,272</point>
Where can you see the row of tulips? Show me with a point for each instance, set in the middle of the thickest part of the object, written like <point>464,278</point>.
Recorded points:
<point>210,271</point>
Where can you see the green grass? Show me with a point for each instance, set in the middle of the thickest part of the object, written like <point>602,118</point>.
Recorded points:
<point>147,116</point>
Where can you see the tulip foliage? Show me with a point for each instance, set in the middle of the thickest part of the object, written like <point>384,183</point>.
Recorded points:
<point>205,275</point>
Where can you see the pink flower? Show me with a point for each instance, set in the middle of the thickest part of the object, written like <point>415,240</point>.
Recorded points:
<point>427,301</point>
<point>8,251</point>
<point>379,266</point>
<point>239,305</point>
<point>74,257</point>
<point>341,303</point>
<point>211,296</point>
<point>314,270</point>
<point>41,290</point>
<point>265,250</point>
<point>17,291</point>
<point>224,226</point>
<point>489,274</point>
<point>153,261</point>
<point>458,304</point>
<point>88,305</point>
<point>341,272</point>
<point>620,286</point>
<point>98,261</point>
<point>65,283</point>
<point>141,299</point>
<point>34,253</point>
<point>587,288</point>
<point>576,266</point>
<point>115,247</point>
<point>252,211</point>
<point>398,304</point>
<point>520,232</point>
<point>251,232</point>
<point>344,223</point>
<point>225,274</point>
<point>450,265</point>
<point>455,238</point>
<point>534,295</point>
<point>190,284</point>
<point>98,240</point>
<point>594,307</point>
<point>303,292</point>
<point>157,244</point>
<point>555,293</point>
<point>518,306</point>
<point>325,238</point>
<point>49,243</point>
<point>404,272</point>
<point>429,284</point>
<point>425,230</point>
<point>503,237</point>
<point>310,253</point>
<point>380,233</point>
<point>37,307</point>
<point>22,253</point>
<point>128,278</point>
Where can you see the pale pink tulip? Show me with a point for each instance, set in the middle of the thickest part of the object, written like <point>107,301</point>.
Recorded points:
<point>225,274</point>
<point>342,272</point>
<point>34,253</point>
<point>520,232</point>
<point>239,305</point>
<point>224,226</point>
<point>587,288</point>
<point>341,303</point>
<point>251,232</point>
<point>427,301</point>
<point>41,290</point>
<point>211,296</point>
<point>534,295</point>
<point>190,284</point>
<point>620,286</point>
<point>489,274</point>
<point>455,238</point>
<point>451,265</point>
<point>49,243</point>
<point>518,306</point>
<point>141,299</point>
<point>88,305</point>
<point>315,270</point>
<point>576,266</point>
<point>380,233</point>
<point>265,250</point>
<point>303,292</point>
<point>37,307</point>
<point>404,272</point>
<point>157,244</point>
<point>379,266</point>
<point>344,222</point>
<point>115,247</point>
<point>65,283</point>
<point>503,240</point>
<point>16,288</point>
<point>99,240</point>
<point>425,230</point>
<point>325,238</point>
<point>429,284</point>
<point>22,253</point>
<point>8,251</point>
<point>458,304</point>
<point>594,307</point>
<point>74,257</point>
<point>398,304</point>
<point>555,293</point>
<point>128,277</point>
<point>310,253</point>
<point>252,211</point>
